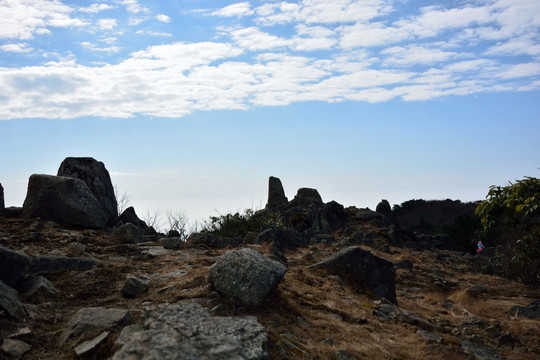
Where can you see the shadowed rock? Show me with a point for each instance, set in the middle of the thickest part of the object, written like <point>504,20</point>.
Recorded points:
<point>96,176</point>
<point>65,200</point>
<point>10,303</point>
<point>364,270</point>
<point>276,194</point>
<point>12,265</point>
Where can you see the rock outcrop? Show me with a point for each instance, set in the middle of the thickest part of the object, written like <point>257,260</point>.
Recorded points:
<point>246,276</point>
<point>188,332</point>
<point>276,194</point>
<point>96,176</point>
<point>64,200</point>
<point>364,270</point>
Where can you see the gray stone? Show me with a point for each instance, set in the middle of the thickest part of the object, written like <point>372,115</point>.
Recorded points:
<point>364,270</point>
<point>246,275</point>
<point>65,200</point>
<point>89,349</point>
<point>531,311</point>
<point>95,319</point>
<point>410,317</point>
<point>404,264</point>
<point>12,265</point>
<point>173,243</point>
<point>276,194</point>
<point>10,303</point>
<point>128,233</point>
<point>44,264</point>
<point>430,337</point>
<point>188,332</point>
<point>96,176</point>
<point>343,355</point>
<point>38,290</point>
<point>135,285</point>
<point>479,351</point>
<point>210,240</point>
<point>75,249</point>
<point>15,348</point>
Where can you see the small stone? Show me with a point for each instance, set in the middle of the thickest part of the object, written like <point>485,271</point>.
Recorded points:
<point>88,349</point>
<point>15,348</point>
<point>135,286</point>
<point>75,249</point>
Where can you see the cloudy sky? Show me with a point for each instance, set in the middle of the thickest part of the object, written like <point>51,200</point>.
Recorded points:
<point>193,104</point>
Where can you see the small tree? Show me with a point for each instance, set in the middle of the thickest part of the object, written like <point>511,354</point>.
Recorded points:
<point>178,221</point>
<point>510,218</point>
<point>123,200</point>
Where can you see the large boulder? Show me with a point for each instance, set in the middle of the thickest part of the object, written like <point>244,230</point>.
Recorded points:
<point>96,176</point>
<point>364,270</point>
<point>276,194</point>
<point>188,332</point>
<point>2,203</point>
<point>13,265</point>
<point>246,275</point>
<point>65,200</point>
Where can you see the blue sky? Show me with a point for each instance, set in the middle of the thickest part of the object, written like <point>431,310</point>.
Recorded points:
<point>193,104</point>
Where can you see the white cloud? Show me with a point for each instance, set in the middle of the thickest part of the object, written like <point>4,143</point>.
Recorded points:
<point>521,70</point>
<point>153,33</point>
<point>21,48</point>
<point>107,24</point>
<point>93,47</point>
<point>238,10</point>
<point>415,54</point>
<point>95,8</point>
<point>23,19</point>
<point>322,11</point>
<point>523,45</point>
<point>163,18</point>
<point>253,39</point>
<point>134,7</point>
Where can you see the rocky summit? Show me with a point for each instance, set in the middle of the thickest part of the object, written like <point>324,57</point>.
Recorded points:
<point>311,280</point>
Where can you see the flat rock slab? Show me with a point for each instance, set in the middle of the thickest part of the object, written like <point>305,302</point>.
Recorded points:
<point>246,275</point>
<point>95,319</point>
<point>43,264</point>
<point>15,348</point>
<point>188,332</point>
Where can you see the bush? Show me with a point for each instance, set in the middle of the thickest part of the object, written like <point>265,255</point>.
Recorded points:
<point>510,218</point>
<point>239,224</point>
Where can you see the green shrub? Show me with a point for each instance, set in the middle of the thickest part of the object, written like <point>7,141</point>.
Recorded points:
<point>510,218</point>
<point>239,224</point>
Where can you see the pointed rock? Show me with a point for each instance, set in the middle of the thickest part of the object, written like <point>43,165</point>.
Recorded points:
<point>276,194</point>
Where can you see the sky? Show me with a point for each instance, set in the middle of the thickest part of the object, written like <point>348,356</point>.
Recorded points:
<point>193,104</point>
